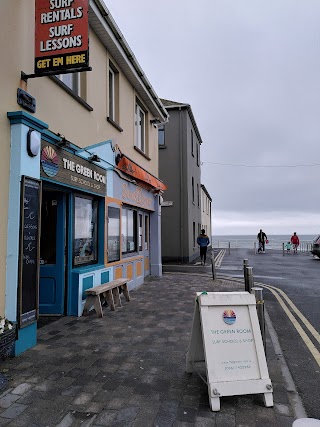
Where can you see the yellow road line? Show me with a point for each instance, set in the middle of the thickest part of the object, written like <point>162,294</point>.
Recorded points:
<point>315,353</point>
<point>298,313</point>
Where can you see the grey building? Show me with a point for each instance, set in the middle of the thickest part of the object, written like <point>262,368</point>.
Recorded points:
<point>179,168</point>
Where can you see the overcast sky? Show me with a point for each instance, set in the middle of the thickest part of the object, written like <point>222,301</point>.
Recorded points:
<point>250,69</point>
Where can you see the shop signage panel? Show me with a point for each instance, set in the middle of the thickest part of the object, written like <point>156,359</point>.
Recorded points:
<point>132,194</point>
<point>69,169</point>
<point>29,250</point>
<point>226,335</point>
<point>61,35</point>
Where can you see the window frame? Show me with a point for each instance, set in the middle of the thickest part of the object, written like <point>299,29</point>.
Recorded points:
<point>192,189</point>
<point>192,143</point>
<point>75,86</point>
<point>140,140</point>
<point>135,230</point>
<point>161,132</point>
<point>109,206</point>
<point>95,237</point>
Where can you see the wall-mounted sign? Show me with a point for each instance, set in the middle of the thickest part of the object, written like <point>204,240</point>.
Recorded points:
<point>29,250</point>
<point>132,194</point>
<point>167,203</point>
<point>226,335</point>
<point>66,168</point>
<point>61,35</point>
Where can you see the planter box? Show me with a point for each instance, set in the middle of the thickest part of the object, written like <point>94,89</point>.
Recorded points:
<point>7,340</point>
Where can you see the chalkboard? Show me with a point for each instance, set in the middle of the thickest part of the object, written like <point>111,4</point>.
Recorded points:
<point>29,250</point>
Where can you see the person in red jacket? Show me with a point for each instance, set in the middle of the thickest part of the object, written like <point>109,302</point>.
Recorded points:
<point>295,242</point>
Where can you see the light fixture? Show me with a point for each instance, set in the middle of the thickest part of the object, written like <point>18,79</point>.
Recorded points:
<point>94,158</point>
<point>155,121</point>
<point>33,142</point>
<point>63,141</point>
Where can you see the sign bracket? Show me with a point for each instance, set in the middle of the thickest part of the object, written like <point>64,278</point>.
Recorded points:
<point>25,76</point>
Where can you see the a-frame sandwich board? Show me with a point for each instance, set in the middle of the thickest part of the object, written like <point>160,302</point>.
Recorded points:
<point>226,335</point>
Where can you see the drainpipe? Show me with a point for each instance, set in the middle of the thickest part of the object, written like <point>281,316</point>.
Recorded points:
<point>181,186</point>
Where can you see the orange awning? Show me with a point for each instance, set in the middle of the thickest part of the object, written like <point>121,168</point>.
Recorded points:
<point>129,167</point>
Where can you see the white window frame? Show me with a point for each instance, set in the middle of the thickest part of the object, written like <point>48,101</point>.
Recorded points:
<point>140,128</point>
<point>112,107</point>
<point>75,81</point>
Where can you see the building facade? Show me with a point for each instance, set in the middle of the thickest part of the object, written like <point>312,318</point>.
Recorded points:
<point>206,205</point>
<point>179,166</point>
<point>80,199</point>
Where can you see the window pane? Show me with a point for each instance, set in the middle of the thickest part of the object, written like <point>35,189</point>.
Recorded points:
<point>72,80</point>
<point>140,232</point>
<point>142,129</point>
<point>111,94</point>
<point>85,227</point>
<point>146,232</point>
<point>161,135</point>
<point>124,233</point>
<point>129,231</point>
<point>113,234</point>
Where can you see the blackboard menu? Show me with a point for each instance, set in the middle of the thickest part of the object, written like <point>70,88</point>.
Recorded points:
<point>29,250</point>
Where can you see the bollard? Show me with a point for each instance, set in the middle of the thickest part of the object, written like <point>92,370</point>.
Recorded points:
<point>258,293</point>
<point>250,279</point>
<point>213,267</point>
<point>229,248</point>
<point>245,265</point>
<point>283,252</point>
<point>255,247</point>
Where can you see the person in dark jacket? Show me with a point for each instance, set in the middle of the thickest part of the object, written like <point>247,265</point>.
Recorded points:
<point>262,237</point>
<point>203,241</point>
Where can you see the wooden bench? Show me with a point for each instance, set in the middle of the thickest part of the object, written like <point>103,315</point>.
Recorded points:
<point>106,292</point>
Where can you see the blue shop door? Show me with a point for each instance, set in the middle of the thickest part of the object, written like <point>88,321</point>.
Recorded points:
<point>52,253</point>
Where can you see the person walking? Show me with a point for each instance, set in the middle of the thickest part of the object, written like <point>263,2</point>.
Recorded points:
<point>262,238</point>
<point>203,241</point>
<point>295,242</point>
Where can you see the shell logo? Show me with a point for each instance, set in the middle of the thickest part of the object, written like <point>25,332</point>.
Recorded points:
<point>49,161</point>
<point>229,317</point>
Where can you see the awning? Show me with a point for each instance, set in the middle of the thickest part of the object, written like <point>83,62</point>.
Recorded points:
<point>131,168</point>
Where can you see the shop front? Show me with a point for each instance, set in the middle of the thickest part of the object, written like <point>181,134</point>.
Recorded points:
<point>133,240</point>
<point>72,230</point>
<point>56,228</point>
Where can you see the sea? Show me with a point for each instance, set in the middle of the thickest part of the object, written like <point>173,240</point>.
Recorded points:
<point>248,241</point>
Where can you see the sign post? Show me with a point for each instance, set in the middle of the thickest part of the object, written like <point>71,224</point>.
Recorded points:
<point>226,335</point>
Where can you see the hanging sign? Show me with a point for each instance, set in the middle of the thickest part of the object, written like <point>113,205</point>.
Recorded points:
<point>226,335</point>
<point>29,250</point>
<point>61,35</point>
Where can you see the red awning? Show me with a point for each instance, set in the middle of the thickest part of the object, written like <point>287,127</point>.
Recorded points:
<point>129,167</point>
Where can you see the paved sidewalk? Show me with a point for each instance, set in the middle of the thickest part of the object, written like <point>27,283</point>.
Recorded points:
<point>128,369</point>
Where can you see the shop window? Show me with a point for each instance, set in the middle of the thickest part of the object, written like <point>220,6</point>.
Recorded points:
<point>146,232</point>
<point>140,232</point>
<point>113,234</point>
<point>128,231</point>
<point>85,231</point>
